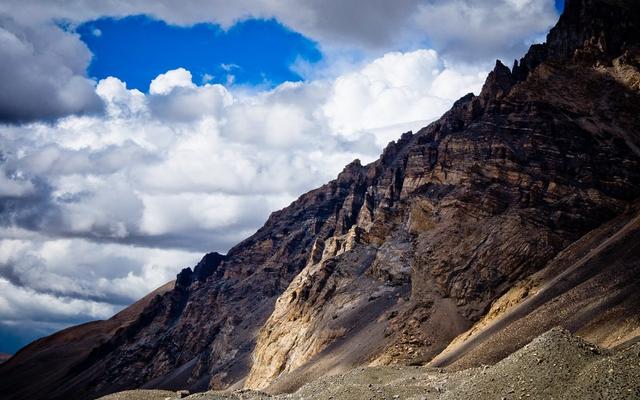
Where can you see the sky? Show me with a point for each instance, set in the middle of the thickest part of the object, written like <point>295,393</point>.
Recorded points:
<point>135,136</point>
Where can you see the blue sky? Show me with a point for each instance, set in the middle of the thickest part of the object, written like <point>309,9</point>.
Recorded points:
<point>136,49</point>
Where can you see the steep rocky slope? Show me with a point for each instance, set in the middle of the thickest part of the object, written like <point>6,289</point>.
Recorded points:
<point>591,287</point>
<point>456,227</point>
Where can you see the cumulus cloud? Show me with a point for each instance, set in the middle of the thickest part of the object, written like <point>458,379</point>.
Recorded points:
<point>42,73</point>
<point>165,83</point>
<point>394,89</point>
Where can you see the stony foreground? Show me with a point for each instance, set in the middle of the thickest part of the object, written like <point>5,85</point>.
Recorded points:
<point>556,365</point>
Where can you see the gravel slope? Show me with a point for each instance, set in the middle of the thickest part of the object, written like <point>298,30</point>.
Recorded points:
<point>555,365</point>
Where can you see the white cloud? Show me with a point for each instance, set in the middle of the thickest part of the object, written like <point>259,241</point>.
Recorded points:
<point>120,101</point>
<point>165,83</point>
<point>394,89</point>
<point>185,104</point>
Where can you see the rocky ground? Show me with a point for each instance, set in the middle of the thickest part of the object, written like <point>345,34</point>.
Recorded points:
<point>142,395</point>
<point>555,365</point>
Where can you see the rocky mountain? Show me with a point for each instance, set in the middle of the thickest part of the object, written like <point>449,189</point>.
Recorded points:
<point>515,212</point>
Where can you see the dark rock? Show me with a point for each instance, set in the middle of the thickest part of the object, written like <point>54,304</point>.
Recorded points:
<point>208,266</point>
<point>184,278</point>
<point>498,83</point>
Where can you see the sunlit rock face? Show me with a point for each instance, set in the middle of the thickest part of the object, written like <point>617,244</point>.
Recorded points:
<point>393,260</point>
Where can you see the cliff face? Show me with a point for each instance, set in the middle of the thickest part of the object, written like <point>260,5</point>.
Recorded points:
<point>393,260</point>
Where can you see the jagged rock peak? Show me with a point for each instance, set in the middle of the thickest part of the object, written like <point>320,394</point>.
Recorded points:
<point>390,152</point>
<point>588,30</point>
<point>353,167</point>
<point>498,83</point>
<point>594,31</point>
<point>604,26</point>
<point>208,266</point>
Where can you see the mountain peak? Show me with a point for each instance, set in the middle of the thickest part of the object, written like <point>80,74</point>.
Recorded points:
<point>498,83</point>
<point>600,28</point>
<point>589,31</point>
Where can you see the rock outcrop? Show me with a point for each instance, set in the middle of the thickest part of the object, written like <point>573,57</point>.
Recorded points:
<point>392,261</point>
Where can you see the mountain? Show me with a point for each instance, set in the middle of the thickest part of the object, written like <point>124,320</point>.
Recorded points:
<point>4,357</point>
<point>515,212</point>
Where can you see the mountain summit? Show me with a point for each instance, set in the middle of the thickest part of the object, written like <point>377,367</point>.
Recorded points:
<point>515,212</point>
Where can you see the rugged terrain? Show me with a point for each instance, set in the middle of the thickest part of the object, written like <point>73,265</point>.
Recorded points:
<point>515,212</point>
<point>555,365</point>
